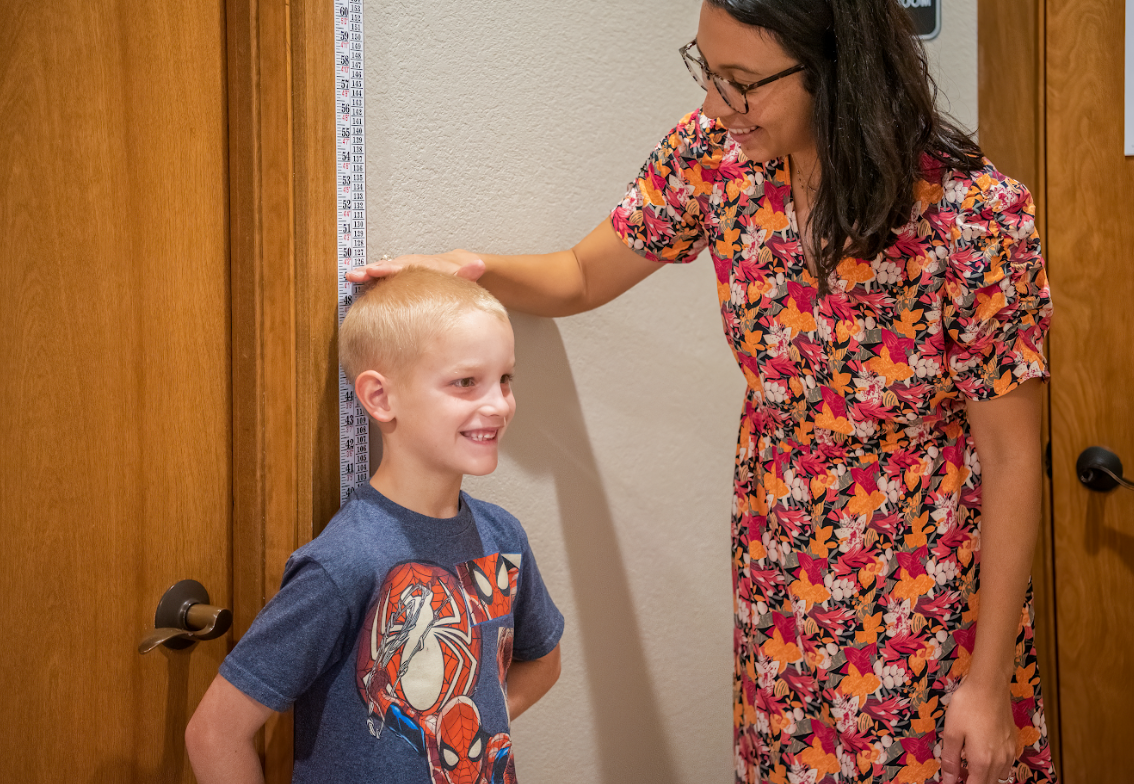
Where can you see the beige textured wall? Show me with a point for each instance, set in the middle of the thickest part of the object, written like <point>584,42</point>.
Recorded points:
<point>509,126</point>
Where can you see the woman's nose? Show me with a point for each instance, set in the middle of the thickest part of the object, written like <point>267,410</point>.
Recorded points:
<point>714,107</point>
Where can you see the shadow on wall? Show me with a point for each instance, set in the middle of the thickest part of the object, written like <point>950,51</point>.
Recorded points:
<point>552,439</point>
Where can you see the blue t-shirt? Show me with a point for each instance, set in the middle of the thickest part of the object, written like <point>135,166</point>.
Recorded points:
<point>391,635</point>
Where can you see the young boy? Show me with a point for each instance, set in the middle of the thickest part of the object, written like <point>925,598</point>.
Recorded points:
<point>416,624</point>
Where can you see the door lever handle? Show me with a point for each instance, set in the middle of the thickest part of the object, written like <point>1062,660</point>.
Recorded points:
<point>185,616</point>
<point>1100,470</point>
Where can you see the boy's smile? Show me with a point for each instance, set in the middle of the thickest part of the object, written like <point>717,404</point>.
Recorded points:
<point>449,410</point>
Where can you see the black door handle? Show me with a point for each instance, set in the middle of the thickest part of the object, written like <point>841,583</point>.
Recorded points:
<point>1100,470</point>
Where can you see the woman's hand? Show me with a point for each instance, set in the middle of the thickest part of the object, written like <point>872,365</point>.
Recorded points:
<point>979,722</point>
<point>461,263</point>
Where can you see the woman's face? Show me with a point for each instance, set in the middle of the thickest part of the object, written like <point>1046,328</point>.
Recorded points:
<point>778,120</point>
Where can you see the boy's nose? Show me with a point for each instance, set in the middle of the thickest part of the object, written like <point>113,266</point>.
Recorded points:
<point>496,402</point>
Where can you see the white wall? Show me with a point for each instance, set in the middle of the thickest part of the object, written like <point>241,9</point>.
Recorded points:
<point>953,60</point>
<point>508,126</point>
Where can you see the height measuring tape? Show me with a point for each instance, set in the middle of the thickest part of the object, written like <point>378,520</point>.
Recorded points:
<point>350,209</point>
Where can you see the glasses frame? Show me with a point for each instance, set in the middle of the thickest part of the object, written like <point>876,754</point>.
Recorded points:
<point>692,62</point>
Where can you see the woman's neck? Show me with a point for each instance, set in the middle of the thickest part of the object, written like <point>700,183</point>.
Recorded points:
<point>805,175</point>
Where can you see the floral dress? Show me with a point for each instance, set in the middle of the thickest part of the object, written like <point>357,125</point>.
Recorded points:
<point>856,517</point>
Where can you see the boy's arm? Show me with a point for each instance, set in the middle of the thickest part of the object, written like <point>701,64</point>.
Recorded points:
<point>221,736</point>
<point>529,680</point>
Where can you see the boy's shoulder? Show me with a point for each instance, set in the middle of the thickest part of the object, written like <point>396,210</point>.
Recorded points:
<point>494,517</point>
<point>371,529</point>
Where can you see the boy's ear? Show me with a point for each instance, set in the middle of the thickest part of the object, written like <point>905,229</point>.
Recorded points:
<point>372,390</point>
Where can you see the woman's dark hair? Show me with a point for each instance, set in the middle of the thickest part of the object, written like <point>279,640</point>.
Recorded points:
<point>875,117</point>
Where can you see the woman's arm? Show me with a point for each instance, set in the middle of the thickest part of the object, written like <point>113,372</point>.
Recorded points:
<point>979,718</point>
<point>530,680</point>
<point>221,735</point>
<point>563,283</point>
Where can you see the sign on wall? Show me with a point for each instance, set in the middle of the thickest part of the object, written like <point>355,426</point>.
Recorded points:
<point>926,15</point>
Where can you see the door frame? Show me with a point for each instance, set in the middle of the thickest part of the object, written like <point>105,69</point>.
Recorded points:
<point>281,140</point>
<point>1011,37</point>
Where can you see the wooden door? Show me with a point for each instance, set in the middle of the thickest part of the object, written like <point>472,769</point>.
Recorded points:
<point>1051,114</point>
<point>115,409</point>
<point>1090,193</point>
<point>167,365</point>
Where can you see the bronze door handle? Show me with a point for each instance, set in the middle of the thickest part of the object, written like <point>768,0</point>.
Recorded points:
<point>1101,470</point>
<point>185,616</point>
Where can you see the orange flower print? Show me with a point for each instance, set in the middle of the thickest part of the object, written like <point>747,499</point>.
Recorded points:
<point>907,322</point>
<point>920,764</point>
<point>869,571</point>
<point>766,218</point>
<point>819,759</point>
<point>854,271</point>
<point>927,714</point>
<point>791,317</point>
<point>884,366</point>
<point>860,680</point>
<point>783,653</point>
<point>871,626</point>
<point>928,192</point>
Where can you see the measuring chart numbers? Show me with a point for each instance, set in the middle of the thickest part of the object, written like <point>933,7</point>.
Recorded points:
<point>350,210</point>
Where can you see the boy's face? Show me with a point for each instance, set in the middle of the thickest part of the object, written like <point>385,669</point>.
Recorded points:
<point>452,407</point>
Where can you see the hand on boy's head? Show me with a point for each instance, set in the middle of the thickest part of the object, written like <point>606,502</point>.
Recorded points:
<point>461,263</point>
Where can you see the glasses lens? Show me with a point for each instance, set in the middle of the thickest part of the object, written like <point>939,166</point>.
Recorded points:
<point>730,95</point>
<point>700,72</point>
<point>696,70</point>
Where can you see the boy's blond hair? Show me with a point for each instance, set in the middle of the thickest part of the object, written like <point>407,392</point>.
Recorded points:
<point>392,321</point>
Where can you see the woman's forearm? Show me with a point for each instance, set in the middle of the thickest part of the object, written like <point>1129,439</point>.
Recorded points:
<point>548,284</point>
<point>1009,526</point>
<point>592,273</point>
<point>1006,433</point>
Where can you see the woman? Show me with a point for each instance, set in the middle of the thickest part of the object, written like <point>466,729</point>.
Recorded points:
<point>882,290</point>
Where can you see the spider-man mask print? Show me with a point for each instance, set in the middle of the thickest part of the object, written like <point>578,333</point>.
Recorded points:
<point>490,584</point>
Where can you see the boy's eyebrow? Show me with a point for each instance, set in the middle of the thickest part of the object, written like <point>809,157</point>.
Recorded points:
<point>468,366</point>
<point>462,366</point>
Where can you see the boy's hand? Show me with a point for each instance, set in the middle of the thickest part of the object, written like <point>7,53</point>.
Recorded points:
<point>221,736</point>
<point>461,263</point>
<point>529,680</point>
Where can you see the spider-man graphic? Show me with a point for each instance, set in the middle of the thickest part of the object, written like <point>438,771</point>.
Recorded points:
<point>504,642</point>
<point>419,648</point>
<point>466,754</point>
<point>419,659</point>
<point>490,584</point>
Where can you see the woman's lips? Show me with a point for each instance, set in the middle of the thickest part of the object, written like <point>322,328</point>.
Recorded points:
<point>742,135</point>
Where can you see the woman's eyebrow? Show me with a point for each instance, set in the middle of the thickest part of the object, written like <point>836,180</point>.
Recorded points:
<point>731,67</point>
<point>758,75</point>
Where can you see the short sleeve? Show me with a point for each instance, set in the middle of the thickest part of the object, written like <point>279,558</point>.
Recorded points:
<point>997,306</point>
<point>658,218</point>
<point>296,637</point>
<point>538,622</point>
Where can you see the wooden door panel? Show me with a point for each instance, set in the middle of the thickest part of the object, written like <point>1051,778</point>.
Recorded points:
<point>115,410</point>
<point>1090,236</point>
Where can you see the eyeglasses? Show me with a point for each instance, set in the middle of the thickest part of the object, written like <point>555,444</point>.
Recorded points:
<point>732,93</point>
